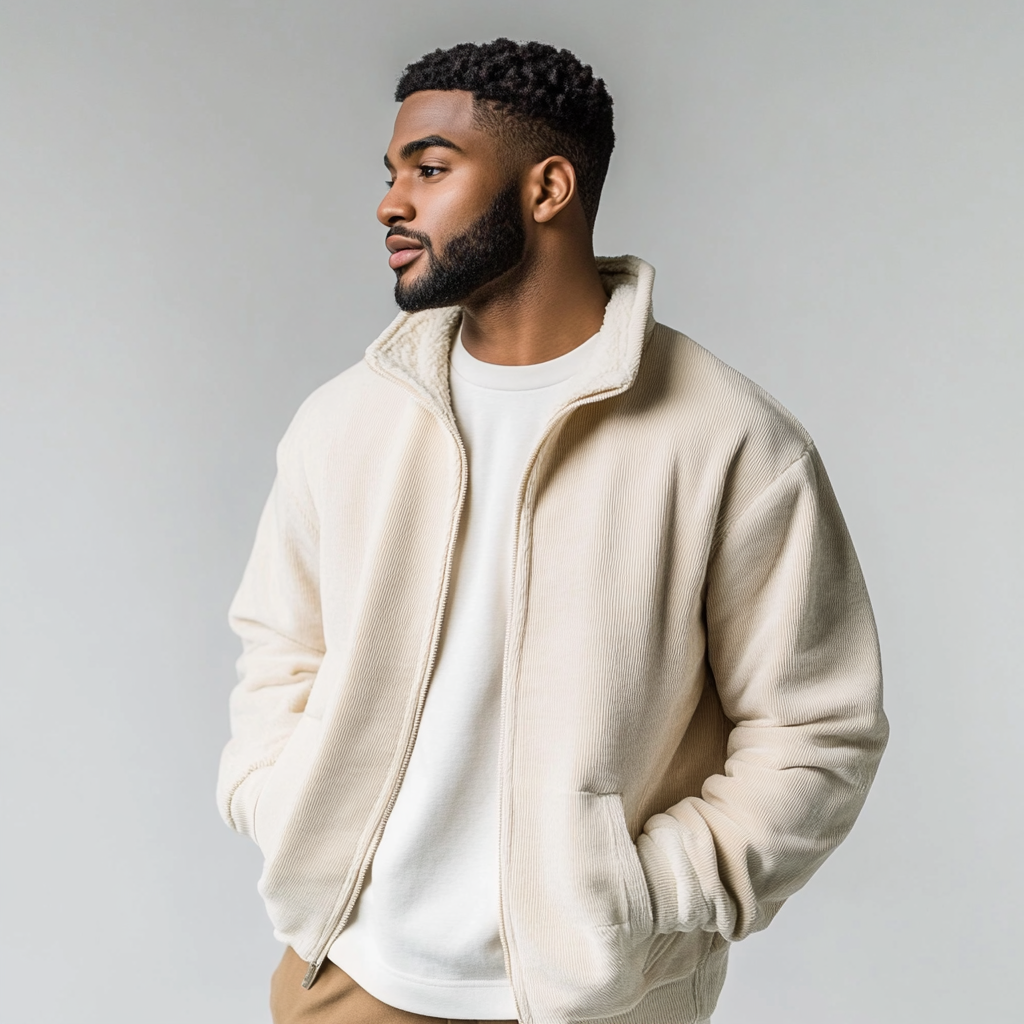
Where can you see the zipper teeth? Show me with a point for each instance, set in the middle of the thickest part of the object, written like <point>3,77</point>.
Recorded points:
<point>556,420</point>
<point>315,965</point>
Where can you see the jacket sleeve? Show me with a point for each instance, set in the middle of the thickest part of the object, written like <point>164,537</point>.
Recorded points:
<point>276,612</point>
<point>794,655</point>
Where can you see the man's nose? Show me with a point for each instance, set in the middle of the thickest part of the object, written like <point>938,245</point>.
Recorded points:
<point>395,207</point>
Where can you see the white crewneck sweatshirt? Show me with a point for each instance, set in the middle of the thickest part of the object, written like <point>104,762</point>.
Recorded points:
<point>424,935</point>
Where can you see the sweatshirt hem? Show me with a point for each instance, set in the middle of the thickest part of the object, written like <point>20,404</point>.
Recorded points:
<point>477,999</point>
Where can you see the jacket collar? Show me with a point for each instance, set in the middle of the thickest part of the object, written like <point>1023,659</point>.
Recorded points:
<point>414,349</point>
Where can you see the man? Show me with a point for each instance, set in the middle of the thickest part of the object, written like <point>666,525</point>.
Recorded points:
<point>559,671</point>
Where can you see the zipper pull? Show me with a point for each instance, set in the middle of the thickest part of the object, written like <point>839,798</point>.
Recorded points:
<point>314,970</point>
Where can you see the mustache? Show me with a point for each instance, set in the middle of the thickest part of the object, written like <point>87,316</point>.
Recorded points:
<point>416,236</point>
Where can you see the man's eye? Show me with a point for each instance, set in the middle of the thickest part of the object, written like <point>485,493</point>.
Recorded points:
<point>389,183</point>
<point>429,172</point>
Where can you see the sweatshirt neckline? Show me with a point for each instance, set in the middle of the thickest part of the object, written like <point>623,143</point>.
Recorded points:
<point>533,376</point>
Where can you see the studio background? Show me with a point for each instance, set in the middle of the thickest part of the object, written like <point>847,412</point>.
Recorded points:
<point>832,197</point>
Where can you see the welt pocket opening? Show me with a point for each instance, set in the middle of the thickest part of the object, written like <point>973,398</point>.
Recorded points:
<point>630,873</point>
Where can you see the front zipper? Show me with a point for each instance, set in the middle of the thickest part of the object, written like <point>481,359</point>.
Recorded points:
<point>517,519</point>
<point>317,963</point>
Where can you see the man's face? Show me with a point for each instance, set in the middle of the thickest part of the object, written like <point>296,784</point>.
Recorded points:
<point>453,211</point>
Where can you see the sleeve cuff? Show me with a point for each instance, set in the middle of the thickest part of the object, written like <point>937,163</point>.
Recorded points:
<point>677,900</point>
<point>661,884</point>
<point>244,799</point>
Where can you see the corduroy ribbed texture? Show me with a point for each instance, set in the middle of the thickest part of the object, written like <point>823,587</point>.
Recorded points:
<point>691,697</point>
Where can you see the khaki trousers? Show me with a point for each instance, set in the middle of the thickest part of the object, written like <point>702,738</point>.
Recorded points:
<point>333,999</point>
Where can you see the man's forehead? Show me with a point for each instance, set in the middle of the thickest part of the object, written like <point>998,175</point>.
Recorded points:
<point>448,114</point>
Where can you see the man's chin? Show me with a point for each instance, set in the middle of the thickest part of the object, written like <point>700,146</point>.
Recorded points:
<point>437,291</point>
<point>422,292</point>
<point>408,301</point>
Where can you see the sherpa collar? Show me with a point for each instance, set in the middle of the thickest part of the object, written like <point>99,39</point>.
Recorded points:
<point>414,349</point>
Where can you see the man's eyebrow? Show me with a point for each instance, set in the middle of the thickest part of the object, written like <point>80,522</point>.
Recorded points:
<point>425,143</point>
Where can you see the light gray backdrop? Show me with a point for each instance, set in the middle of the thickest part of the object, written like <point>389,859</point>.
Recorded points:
<point>832,196</point>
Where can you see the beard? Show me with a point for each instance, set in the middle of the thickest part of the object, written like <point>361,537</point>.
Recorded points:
<point>492,245</point>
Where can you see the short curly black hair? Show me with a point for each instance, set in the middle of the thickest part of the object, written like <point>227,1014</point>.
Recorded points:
<point>545,101</point>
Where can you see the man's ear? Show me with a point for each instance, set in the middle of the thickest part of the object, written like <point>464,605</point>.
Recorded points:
<point>553,184</point>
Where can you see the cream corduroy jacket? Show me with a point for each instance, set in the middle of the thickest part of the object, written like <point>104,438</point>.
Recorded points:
<point>691,697</point>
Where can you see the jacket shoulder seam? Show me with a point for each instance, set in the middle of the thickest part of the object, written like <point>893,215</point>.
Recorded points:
<point>733,523</point>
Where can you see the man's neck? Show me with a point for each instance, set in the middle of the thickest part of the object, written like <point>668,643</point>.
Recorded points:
<point>554,306</point>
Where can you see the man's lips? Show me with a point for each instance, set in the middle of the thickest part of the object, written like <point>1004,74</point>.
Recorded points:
<point>403,251</point>
<point>402,257</point>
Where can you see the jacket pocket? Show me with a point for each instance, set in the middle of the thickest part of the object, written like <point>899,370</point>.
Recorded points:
<point>280,792</point>
<point>636,911</point>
